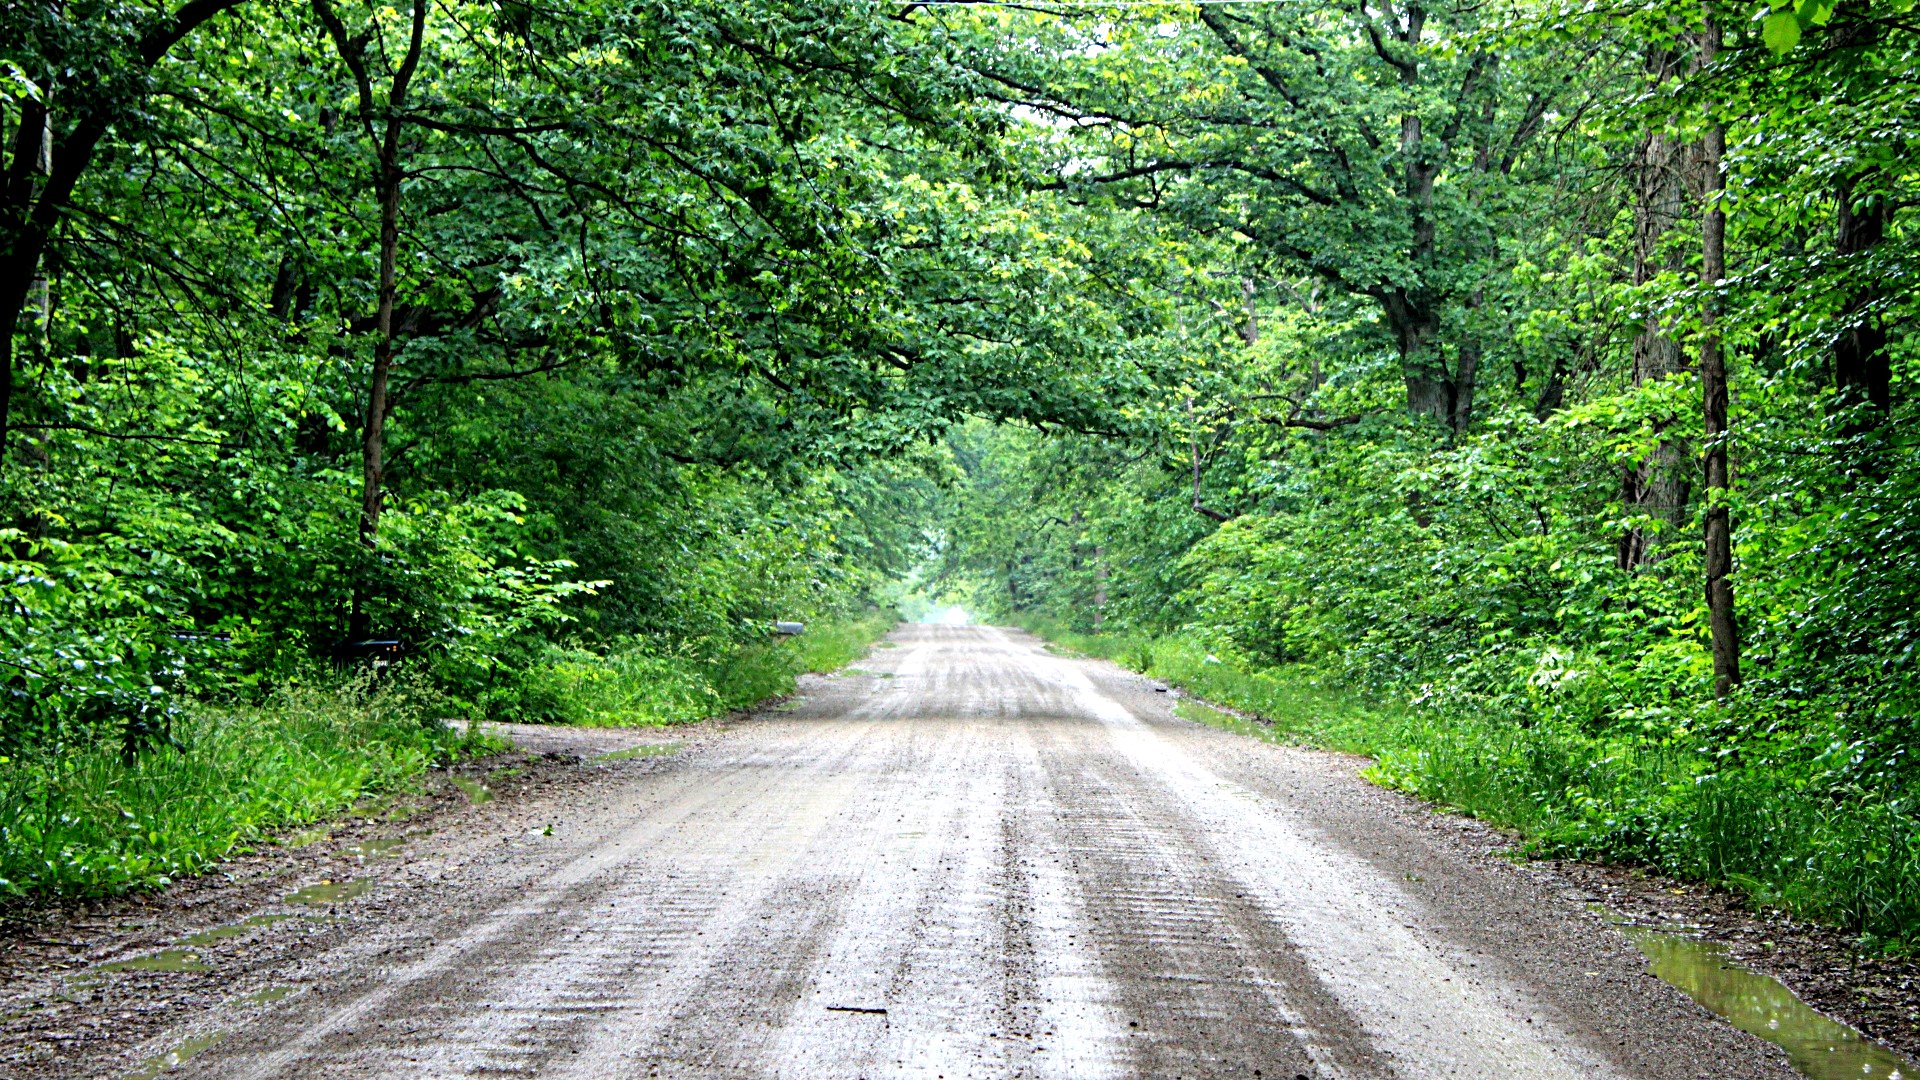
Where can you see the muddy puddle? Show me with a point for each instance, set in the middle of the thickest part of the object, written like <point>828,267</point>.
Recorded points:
<point>477,792</point>
<point>164,960</point>
<point>232,930</point>
<point>266,997</point>
<point>1818,1046</point>
<point>377,848</point>
<point>184,954</point>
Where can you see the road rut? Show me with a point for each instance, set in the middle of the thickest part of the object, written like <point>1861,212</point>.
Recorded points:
<point>970,857</point>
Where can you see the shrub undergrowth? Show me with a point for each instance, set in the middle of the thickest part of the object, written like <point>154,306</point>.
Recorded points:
<point>79,819</point>
<point>634,684</point>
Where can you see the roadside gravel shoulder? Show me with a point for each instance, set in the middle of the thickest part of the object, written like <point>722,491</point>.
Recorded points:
<point>1875,992</point>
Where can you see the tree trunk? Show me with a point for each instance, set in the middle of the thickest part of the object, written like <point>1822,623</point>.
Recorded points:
<point>1713,392</point>
<point>13,297</point>
<point>1099,586</point>
<point>389,119</point>
<point>1657,487</point>
<point>27,219</point>
<point>373,443</point>
<point>1466,372</point>
<point>25,242</point>
<point>1862,371</point>
<point>1432,390</point>
<point>374,425</point>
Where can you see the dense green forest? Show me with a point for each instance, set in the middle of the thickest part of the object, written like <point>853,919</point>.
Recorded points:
<point>1542,424</point>
<point>1516,392</point>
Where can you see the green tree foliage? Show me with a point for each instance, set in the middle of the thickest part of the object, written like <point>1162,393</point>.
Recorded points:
<point>1529,574</point>
<point>1456,353</point>
<point>484,327</point>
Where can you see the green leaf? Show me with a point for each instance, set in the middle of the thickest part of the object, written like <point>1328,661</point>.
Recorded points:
<point>1781,31</point>
<point>1814,12</point>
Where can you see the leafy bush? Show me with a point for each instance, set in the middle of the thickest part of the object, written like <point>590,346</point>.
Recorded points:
<point>637,684</point>
<point>79,819</point>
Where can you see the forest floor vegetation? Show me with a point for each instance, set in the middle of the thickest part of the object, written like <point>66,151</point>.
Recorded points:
<point>635,685</point>
<point>80,819</point>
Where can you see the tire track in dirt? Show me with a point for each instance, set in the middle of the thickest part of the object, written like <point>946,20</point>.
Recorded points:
<point>969,858</point>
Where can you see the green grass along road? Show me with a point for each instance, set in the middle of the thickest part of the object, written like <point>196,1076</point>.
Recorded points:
<point>1762,830</point>
<point>81,822</point>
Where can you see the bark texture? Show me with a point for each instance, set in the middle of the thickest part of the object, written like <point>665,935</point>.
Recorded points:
<point>1659,486</point>
<point>1862,371</point>
<point>1713,392</point>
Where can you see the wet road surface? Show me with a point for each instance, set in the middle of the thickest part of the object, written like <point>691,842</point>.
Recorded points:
<point>969,857</point>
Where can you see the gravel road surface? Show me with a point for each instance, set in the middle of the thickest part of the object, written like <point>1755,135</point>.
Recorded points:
<point>967,856</point>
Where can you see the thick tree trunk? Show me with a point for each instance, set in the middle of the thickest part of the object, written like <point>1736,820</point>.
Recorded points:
<point>1659,486</point>
<point>1721,627</point>
<point>26,242</point>
<point>1862,371</point>
<point>1433,388</point>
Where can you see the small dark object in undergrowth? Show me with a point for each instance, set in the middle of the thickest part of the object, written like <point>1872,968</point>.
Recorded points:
<point>378,654</point>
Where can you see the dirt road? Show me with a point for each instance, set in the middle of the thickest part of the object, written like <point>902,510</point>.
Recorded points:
<point>969,857</point>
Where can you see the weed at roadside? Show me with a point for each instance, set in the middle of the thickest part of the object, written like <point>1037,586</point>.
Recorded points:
<point>1784,831</point>
<point>75,820</point>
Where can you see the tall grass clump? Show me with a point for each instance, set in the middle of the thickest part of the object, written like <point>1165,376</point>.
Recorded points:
<point>1806,823</point>
<point>634,684</point>
<point>631,686</point>
<point>80,819</point>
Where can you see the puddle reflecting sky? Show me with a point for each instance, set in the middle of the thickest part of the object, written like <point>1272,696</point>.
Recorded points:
<point>1819,1047</point>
